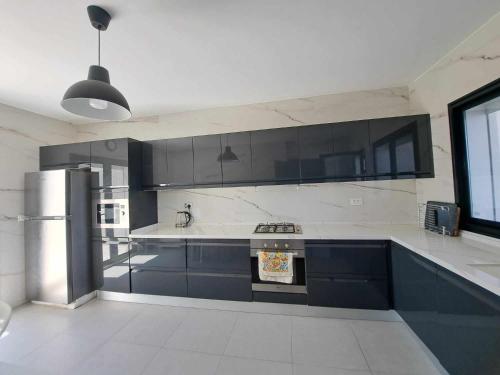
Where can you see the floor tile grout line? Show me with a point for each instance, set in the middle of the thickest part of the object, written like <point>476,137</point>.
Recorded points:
<point>360,347</point>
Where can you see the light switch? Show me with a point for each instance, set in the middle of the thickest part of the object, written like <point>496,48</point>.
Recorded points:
<point>356,201</point>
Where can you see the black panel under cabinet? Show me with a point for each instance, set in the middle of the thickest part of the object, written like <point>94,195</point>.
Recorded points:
<point>207,160</point>
<point>275,156</point>
<point>219,256</point>
<point>236,171</point>
<point>73,155</point>
<point>161,254</point>
<point>235,287</point>
<point>288,298</point>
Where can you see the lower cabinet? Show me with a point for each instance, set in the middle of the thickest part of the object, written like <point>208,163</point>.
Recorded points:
<point>220,286</point>
<point>111,264</point>
<point>348,274</point>
<point>351,293</point>
<point>163,283</point>
<point>456,319</point>
<point>219,269</point>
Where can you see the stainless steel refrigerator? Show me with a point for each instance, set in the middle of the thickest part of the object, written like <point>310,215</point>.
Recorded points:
<point>57,235</point>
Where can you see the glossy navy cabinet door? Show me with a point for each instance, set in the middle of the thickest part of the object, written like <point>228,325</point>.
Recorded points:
<point>73,155</point>
<point>236,159</point>
<point>402,147</point>
<point>275,156</point>
<point>110,159</point>
<point>159,254</point>
<point>236,287</point>
<point>351,157</point>
<point>469,326</point>
<point>415,293</point>
<point>154,169</point>
<point>363,258</point>
<point>219,256</point>
<point>111,264</point>
<point>316,146</point>
<point>180,162</point>
<point>354,293</point>
<point>154,281</point>
<point>207,160</point>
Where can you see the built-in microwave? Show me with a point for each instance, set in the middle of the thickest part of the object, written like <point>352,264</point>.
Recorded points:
<point>111,213</point>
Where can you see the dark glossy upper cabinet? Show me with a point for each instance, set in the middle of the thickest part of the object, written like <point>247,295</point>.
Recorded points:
<point>168,163</point>
<point>316,145</point>
<point>154,169</point>
<point>207,153</point>
<point>180,162</point>
<point>275,156</point>
<point>109,159</point>
<point>73,155</point>
<point>236,159</point>
<point>351,156</point>
<point>402,147</point>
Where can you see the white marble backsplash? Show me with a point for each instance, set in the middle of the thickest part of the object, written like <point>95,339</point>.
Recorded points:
<point>21,134</point>
<point>384,202</point>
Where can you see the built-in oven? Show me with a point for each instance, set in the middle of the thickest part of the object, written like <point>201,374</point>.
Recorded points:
<point>270,291</point>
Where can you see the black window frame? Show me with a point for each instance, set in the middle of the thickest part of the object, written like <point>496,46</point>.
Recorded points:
<point>456,110</point>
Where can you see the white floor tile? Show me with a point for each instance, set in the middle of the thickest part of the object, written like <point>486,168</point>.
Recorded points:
<point>153,326</point>
<point>116,358</point>
<point>317,370</point>
<point>10,369</point>
<point>244,366</point>
<point>61,354</point>
<point>326,342</point>
<point>390,348</point>
<point>177,362</point>
<point>204,331</point>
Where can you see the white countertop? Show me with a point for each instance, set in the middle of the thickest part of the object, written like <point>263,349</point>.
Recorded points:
<point>453,253</point>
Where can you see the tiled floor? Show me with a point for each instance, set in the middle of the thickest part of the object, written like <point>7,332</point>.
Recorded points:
<point>124,338</point>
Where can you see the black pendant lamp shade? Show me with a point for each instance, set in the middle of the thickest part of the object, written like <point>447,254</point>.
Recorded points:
<point>228,155</point>
<point>95,97</point>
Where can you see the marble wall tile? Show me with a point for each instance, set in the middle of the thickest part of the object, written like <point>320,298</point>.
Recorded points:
<point>383,202</point>
<point>294,112</point>
<point>472,64</point>
<point>21,134</point>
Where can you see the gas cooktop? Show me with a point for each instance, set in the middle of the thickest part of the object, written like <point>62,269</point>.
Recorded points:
<point>277,228</point>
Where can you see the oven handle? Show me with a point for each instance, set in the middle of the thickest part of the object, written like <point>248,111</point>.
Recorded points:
<point>296,253</point>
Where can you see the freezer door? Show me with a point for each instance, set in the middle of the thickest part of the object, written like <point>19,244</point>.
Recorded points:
<point>46,243</point>
<point>46,194</point>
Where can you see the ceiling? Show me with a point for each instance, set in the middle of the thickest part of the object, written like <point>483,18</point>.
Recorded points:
<point>177,55</point>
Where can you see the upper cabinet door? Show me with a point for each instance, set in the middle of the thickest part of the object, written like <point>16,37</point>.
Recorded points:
<point>207,160</point>
<point>275,156</point>
<point>72,155</point>
<point>236,159</point>
<point>316,146</point>
<point>109,159</point>
<point>402,146</point>
<point>180,162</point>
<point>154,158</point>
<point>351,157</point>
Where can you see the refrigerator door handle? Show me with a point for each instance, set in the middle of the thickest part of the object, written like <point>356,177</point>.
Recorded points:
<point>38,218</point>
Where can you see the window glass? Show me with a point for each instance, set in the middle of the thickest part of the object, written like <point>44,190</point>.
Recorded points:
<point>482,132</point>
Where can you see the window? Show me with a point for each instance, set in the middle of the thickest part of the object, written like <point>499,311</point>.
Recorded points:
<point>475,133</point>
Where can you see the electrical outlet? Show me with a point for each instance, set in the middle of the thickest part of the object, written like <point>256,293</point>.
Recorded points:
<point>356,201</point>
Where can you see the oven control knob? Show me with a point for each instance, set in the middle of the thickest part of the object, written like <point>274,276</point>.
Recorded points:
<point>275,245</point>
<point>286,246</point>
<point>265,246</point>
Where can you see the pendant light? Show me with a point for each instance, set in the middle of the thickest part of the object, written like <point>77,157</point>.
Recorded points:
<point>95,97</point>
<point>228,155</point>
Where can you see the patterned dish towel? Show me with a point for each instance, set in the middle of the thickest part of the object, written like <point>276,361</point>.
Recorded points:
<point>276,266</point>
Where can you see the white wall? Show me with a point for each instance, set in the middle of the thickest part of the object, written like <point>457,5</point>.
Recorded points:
<point>21,134</point>
<point>472,64</point>
<point>384,201</point>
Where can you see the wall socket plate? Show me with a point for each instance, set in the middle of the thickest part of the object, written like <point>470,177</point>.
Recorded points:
<point>356,201</point>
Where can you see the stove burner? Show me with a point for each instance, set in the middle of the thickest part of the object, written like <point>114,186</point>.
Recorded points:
<point>276,228</point>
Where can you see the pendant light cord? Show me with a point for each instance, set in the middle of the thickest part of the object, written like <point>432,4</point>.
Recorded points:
<point>99,47</point>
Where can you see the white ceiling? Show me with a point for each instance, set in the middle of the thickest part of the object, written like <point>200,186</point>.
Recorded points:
<point>177,55</point>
